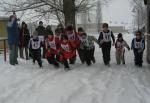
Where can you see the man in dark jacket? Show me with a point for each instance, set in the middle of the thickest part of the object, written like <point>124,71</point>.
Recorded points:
<point>13,39</point>
<point>105,43</point>
<point>42,34</point>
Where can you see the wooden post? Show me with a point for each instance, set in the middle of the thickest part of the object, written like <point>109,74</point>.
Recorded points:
<point>5,50</point>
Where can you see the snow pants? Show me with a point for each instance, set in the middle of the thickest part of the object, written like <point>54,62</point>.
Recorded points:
<point>138,58</point>
<point>52,60</point>
<point>36,56</point>
<point>106,48</point>
<point>86,55</point>
<point>120,57</point>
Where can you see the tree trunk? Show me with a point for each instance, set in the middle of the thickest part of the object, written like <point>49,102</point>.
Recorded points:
<point>69,12</point>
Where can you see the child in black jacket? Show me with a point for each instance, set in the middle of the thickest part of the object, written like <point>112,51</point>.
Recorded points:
<point>35,47</point>
<point>105,43</point>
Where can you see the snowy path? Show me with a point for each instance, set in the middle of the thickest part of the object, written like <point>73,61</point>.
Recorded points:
<point>26,83</point>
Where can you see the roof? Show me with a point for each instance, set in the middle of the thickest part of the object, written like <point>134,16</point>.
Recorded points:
<point>145,2</point>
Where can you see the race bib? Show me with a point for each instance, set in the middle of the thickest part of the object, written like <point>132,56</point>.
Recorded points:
<point>65,47</point>
<point>71,37</point>
<point>137,45</point>
<point>107,37</point>
<point>52,44</point>
<point>35,44</point>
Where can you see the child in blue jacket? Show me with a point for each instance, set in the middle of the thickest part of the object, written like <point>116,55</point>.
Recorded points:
<point>138,47</point>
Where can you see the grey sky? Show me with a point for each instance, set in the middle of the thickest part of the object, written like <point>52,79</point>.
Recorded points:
<point>118,11</point>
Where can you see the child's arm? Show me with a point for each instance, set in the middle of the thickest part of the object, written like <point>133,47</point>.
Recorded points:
<point>113,37</point>
<point>100,39</point>
<point>132,44</point>
<point>29,45</point>
<point>126,45</point>
<point>46,44</point>
<point>143,44</point>
<point>94,39</point>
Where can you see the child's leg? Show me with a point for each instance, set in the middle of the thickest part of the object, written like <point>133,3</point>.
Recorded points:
<point>117,57</point>
<point>136,57</point>
<point>38,58</point>
<point>140,59</point>
<point>81,55</point>
<point>104,55</point>
<point>123,57</point>
<point>72,60</point>
<point>66,64</point>
<point>88,56</point>
<point>92,54</point>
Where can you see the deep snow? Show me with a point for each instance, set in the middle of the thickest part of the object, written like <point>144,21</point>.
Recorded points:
<point>26,83</point>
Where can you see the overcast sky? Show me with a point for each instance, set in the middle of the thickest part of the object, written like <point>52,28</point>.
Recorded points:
<point>118,11</point>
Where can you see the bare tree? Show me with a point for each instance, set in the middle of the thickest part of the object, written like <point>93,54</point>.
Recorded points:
<point>62,10</point>
<point>139,10</point>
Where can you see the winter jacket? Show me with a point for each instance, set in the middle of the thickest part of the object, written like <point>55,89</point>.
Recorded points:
<point>35,47</point>
<point>120,45</point>
<point>53,46</point>
<point>24,37</point>
<point>13,32</point>
<point>66,51</point>
<point>105,38</point>
<point>74,40</point>
<point>88,42</point>
<point>138,45</point>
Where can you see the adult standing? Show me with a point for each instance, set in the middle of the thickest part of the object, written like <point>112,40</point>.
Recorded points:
<point>42,34</point>
<point>105,43</point>
<point>13,39</point>
<point>24,40</point>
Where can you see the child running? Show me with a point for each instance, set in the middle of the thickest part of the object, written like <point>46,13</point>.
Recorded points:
<point>87,48</point>
<point>74,40</point>
<point>35,47</point>
<point>66,52</point>
<point>52,46</point>
<point>138,47</point>
<point>120,49</point>
<point>105,43</point>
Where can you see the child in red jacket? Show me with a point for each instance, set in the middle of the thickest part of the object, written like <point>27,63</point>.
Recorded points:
<point>58,40</point>
<point>52,46</point>
<point>73,39</point>
<point>67,52</point>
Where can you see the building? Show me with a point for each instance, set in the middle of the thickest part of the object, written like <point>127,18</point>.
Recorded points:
<point>92,28</point>
<point>147,2</point>
<point>3,29</point>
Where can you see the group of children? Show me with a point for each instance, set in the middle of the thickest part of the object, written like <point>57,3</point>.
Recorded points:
<point>62,46</point>
<point>137,45</point>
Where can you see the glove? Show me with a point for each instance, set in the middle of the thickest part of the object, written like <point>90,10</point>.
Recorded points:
<point>128,48</point>
<point>101,42</point>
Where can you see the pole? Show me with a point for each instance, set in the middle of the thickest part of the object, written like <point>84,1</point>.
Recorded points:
<point>4,50</point>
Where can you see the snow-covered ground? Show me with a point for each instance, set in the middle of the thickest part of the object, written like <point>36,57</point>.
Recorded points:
<point>26,83</point>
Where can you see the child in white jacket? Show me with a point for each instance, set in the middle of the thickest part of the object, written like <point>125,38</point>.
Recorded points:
<point>120,49</point>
